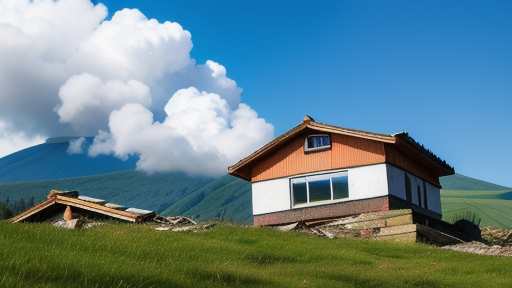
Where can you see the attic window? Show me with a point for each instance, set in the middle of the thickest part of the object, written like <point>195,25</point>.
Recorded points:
<point>317,142</point>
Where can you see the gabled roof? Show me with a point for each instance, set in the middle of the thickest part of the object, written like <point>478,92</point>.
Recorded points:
<point>309,123</point>
<point>71,198</point>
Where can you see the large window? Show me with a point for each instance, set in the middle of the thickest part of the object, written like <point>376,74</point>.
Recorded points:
<point>316,188</point>
<point>317,142</point>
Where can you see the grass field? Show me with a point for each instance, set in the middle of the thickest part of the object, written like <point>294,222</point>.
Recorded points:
<point>489,208</point>
<point>124,255</point>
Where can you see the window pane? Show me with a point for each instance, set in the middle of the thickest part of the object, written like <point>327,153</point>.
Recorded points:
<point>319,189</point>
<point>340,187</point>
<point>318,141</point>
<point>299,191</point>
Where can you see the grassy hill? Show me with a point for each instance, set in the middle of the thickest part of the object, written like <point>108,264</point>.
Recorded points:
<point>129,188</point>
<point>128,255</point>
<point>481,202</point>
<point>461,182</point>
<point>226,198</point>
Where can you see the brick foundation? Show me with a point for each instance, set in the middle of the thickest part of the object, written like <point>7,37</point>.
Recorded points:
<point>378,204</point>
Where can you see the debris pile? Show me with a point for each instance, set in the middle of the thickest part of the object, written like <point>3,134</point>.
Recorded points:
<point>497,236</point>
<point>481,248</point>
<point>390,225</point>
<point>180,223</point>
<point>79,223</point>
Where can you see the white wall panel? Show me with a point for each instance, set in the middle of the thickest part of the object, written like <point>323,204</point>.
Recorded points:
<point>270,196</point>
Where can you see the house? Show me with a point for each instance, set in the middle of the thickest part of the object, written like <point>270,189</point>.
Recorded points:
<point>319,171</point>
<point>68,205</point>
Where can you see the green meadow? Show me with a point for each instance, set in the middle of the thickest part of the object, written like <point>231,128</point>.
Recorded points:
<point>127,255</point>
<point>486,208</point>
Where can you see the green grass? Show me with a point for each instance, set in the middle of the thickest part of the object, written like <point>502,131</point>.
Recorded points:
<point>124,255</point>
<point>492,208</point>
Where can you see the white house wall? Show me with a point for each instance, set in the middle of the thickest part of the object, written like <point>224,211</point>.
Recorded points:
<point>367,182</point>
<point>364,182</point>
<point>396,182</point>
<point>270,196</point>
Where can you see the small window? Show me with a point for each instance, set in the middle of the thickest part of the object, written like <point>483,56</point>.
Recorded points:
<point>319,188</point>
<point>425,195</point>
<point>408,192</point>
<point>317,142</point>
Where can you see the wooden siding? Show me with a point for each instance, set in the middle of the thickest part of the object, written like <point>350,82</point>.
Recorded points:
<point>351,151</point>
<point>410,165</point>
<point>346,151</point>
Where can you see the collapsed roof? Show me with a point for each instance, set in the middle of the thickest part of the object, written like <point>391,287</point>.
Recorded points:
<point>59,201</point>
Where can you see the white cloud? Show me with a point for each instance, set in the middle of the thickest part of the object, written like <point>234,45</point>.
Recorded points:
<point>201,134</point>
<point>11,141</point>
<point>75,146</point>
<point>67,71</point>
<point>87,102</point>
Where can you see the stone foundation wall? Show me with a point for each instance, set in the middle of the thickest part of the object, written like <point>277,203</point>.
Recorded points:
<point>378,204</point>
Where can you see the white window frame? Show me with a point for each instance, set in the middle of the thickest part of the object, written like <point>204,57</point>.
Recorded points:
<point>319,148</point>
<point>309,177</point>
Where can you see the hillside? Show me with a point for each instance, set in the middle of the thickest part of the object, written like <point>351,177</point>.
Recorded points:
<point>51,160</point>
<point>124,255</point>
<point>461,182</point>
<point>129,188</point>
<point>226,198</point>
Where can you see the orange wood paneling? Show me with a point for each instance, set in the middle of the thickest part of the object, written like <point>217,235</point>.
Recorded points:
<point>346,152</point>
<point>403,161</point>
<point>291,160</point>
<point>350,151</point>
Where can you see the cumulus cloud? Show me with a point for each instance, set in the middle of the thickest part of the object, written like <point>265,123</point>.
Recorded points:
<point>12,141</point>
<point>87,102</point>
<point>66,70</point>
<point>200,134</point>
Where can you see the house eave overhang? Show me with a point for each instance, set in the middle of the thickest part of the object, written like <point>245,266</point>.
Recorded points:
<point>401,141</point>
<point>241,170</point>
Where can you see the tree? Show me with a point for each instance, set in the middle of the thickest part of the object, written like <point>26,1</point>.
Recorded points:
<point>5,212</point>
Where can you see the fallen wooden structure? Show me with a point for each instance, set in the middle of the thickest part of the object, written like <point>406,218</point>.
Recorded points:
<point>68,205</point>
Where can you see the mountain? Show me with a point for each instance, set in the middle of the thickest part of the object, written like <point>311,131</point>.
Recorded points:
<point>461,182</point>
<point>128,187</point>
<point>51,160</point>
<point>226,198</point>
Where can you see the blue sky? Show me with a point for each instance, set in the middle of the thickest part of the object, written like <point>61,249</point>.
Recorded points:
<point>441,70</point>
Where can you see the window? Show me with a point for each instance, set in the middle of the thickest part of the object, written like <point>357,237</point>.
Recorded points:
<point>317,142</point>
<point>408,192</point>
<point>425,195</point>
<point>319,188</point>
<point>419,196</point>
